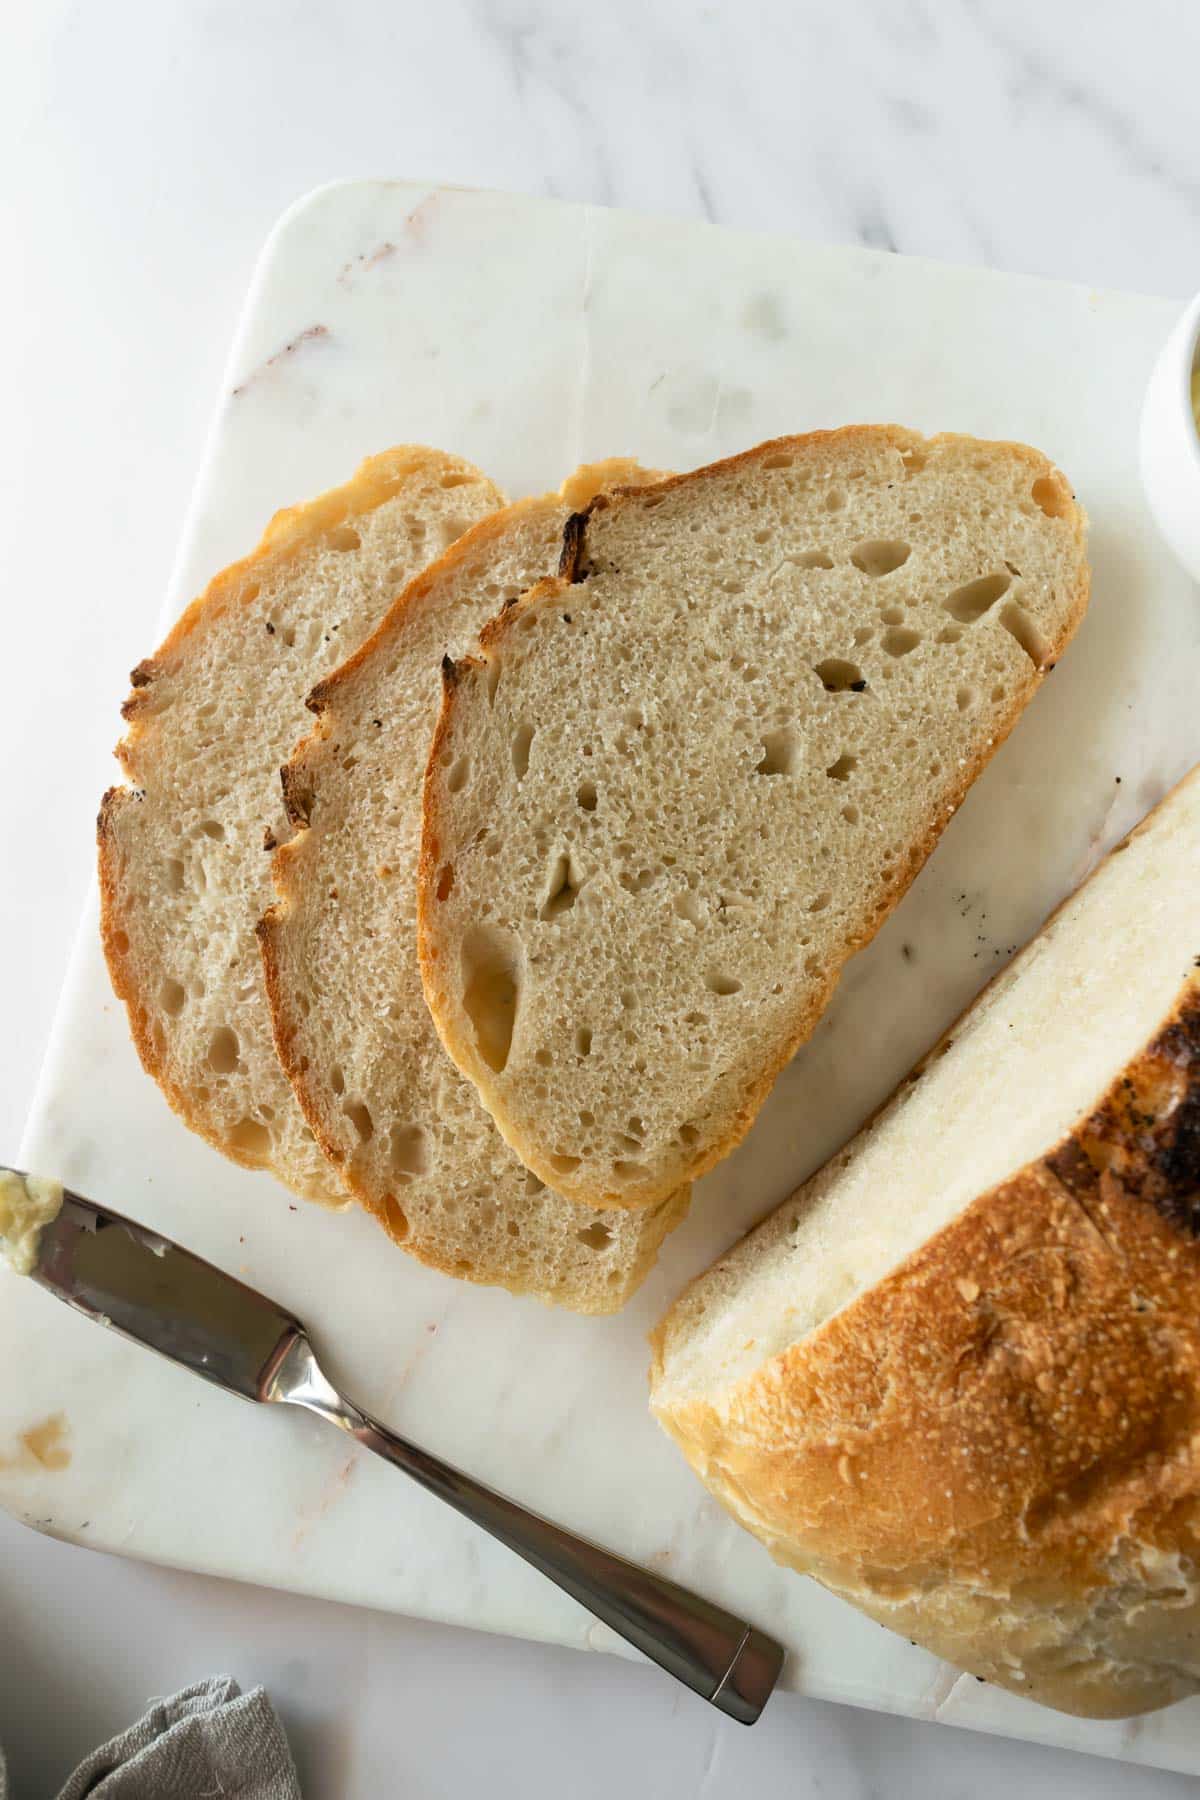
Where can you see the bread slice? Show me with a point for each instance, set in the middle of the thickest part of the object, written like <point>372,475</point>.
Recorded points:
<point>688,779</point>
<point>183,872</point>
<point>957,1376</point>
<point>387,1106</point>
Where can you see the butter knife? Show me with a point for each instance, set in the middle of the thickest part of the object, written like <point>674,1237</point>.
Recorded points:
<point>144,1286</point>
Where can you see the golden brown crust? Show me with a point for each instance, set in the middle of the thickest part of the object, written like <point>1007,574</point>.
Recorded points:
<point>288,533</point>
<point>549,593</point>
<point>996,1449</point>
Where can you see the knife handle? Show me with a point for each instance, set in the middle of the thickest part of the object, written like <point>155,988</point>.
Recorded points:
<point>723,1659</point>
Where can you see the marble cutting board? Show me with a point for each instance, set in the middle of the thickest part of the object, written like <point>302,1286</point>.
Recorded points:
<point>529,336</point>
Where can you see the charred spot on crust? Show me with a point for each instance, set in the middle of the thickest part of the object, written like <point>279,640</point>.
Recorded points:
<point>1176,1158</point>
<point>297,796</point>
<point>570,562</point>
<point>1146,1135</point>
<point>449,671</point>
<point>144,674</point>
<point>270,841</point>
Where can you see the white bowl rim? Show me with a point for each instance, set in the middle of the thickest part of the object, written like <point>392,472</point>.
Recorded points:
<point>1190,361</point>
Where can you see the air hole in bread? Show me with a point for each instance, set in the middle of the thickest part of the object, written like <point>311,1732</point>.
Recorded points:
<point>779,753</point>
<point>1025,629</point>
<point>626,1170</point>
<point>445,882</point>
<point>543,1058</point>
<point>212,828</point>
<point>949,634</point>
<point>880,556</point>
<point>349,763</point>
<point>839,677</point>
<point>688,906</point>
<point>223,1050</point>
<point>810,559</point>
<point>596,1236</point>
<point>408,1151</point>
<point>533,1185</point>
<point>173,870</point>
<point>456,780</point>
<point>562,1164</point>
<point>337,1080</point>
<point>522,739</point>
<point>171,996</point>
<point>850,814</point>
<point>562,888</point>
<point>835,500</point>
<point>583,1040</point>
<point>250,1138</point>
<point>718,983</point>
<point>395,1219</point>
<point>778,460</point>
<point>965,698</point>
<point>688,1134</point>
<point>492,670</point>
<point>972,600</point>
<point>360,1117</point>
<point>892,615</point>
<point>1050,494</point>
<point>636,881</point>
<point>914,460</point>
<point>587,1118</point>
<point>843,768</point>
<point>343,537</point>
<point>898,640</point>
<point>820,901</point>
<point>864,634</point>
<point>629,999</point>
<point>585,794</point>
<point>998,692</point>
<point>491,990</point>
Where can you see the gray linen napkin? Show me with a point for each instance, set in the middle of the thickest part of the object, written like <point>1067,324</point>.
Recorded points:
<point>209,1740</point>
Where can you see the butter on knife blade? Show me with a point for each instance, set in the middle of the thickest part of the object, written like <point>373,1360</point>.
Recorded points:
<point>28,1203</point>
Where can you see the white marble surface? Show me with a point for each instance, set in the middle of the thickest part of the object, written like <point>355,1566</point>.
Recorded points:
<point>160,151</point>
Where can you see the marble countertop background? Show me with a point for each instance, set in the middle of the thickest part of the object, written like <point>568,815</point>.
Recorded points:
<point>149,148</point>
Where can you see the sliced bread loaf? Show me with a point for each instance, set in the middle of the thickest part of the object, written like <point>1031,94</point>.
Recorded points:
<point>957,1376</point>
<point>387,1106</point>
<point>216,710</point>
<point>686,780</point>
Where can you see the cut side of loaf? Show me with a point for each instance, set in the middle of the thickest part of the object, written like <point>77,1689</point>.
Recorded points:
<point>957,1376</point>
<point>405,1130</point>
<point>184,874</point>
<point>687,779</point>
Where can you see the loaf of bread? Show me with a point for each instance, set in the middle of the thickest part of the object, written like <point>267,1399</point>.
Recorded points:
<point>184,875</point>
<point>957,1376</point>
<point>393,1115</point>
<point>686,780</point>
